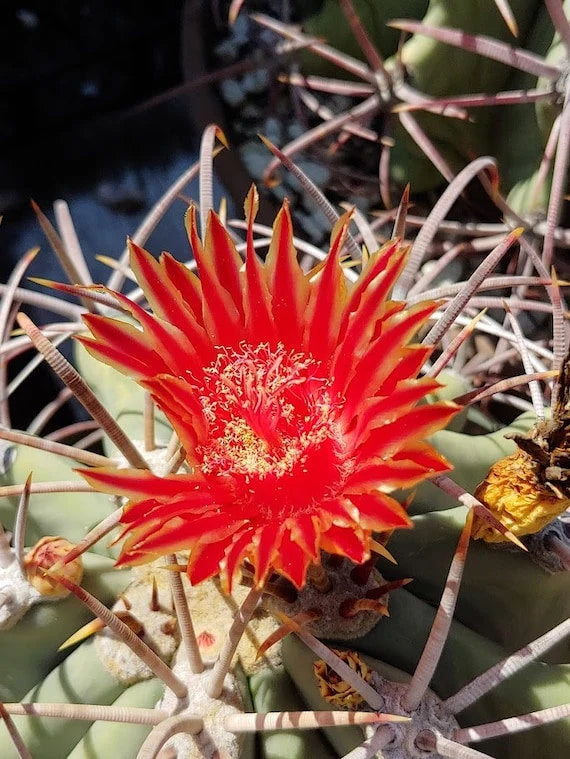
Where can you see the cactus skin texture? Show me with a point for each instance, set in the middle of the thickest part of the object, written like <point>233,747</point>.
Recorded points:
<point>441,71</point>
<point>521,130</point>
<point>33,642</point>
<point>58,513</point>
<point>102,738</point>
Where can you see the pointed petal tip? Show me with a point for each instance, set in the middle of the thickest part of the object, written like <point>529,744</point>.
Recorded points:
<point>383,551</point>
<point>251,203</point>
<point>132,246</point>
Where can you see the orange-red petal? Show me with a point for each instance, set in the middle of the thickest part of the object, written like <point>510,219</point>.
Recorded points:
<point>287,283</point>
<point>379,512</point>
<point>346,541</point>
<point>327,298</point>
<point>416,424</point>
<point>136,483</point>
<point>220,313</point>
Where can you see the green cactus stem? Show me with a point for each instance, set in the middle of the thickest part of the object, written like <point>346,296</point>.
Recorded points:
<point>272,690</point>
<point>505,596</point>
<point>103,738</point>
<point>52,513</point>
<point>33,643</point>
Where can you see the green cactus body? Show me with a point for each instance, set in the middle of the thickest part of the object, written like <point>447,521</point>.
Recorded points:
<point>298,661</point>
<point>522,132</point>
<point>70,515</point>
<point>374,16</point>
<point>439,70</point>
<point>80,679</point>
<point>547,110</point>
<point>122,397</point>
<point>273,690</point>
<point>504,595</point>
<point>104,739</point>
<point>33,642</point>
<point>397,642</point>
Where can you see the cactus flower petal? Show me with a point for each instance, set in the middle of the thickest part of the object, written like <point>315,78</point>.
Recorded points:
<point>294,396</point>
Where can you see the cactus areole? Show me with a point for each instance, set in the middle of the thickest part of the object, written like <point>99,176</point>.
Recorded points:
<point>529,489</point>
<point>293,394</point>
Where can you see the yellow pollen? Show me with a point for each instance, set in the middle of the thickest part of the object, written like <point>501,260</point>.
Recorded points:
<point>243,452</point>
<point>265,409</point>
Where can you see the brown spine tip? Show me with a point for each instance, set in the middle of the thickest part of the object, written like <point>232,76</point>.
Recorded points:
<point>353,606</point>
<point>361,573</point>
<point>154,603</point>
<point>319,579</point>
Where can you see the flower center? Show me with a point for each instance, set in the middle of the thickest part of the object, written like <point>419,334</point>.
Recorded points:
<point>271,418</point>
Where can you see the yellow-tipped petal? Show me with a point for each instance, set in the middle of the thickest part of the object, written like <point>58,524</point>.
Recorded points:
<point>82,634</point>
<point>382,550</point>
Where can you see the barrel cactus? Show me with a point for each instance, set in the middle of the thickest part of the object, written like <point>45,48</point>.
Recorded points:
<point>271,429</point>
<point>460,85</point>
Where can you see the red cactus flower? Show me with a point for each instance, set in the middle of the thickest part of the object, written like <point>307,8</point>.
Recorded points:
<point>293,394</point>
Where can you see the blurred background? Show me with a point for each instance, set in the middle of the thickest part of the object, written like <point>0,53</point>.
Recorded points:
<point>85,115</point>
<point>72,73</point>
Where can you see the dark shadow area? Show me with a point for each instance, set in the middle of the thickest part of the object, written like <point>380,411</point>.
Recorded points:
<point>74,80</point>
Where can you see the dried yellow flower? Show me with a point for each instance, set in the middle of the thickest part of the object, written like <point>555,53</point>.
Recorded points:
<point>513,491</point>
<point>334,689</point>
<point>47,551</point>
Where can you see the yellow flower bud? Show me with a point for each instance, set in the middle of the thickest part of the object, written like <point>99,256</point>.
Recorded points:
<point>47,551</point>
